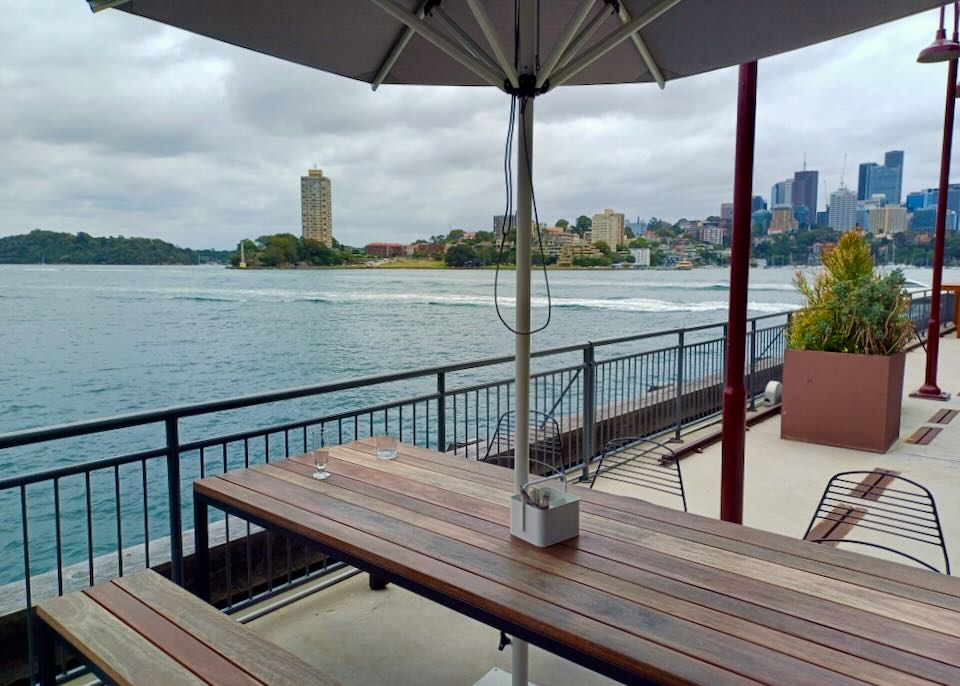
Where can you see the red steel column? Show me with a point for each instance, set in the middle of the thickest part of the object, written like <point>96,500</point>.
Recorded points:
<point>734,393</point>
<point>930,389</point>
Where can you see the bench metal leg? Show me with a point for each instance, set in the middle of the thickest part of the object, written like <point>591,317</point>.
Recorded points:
<point>201,549</point>
<point>377,583</point>
<point>46,655</point>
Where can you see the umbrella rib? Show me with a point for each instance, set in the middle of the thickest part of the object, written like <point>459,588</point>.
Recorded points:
<point>480,14</point>
<point>395,51</point>
<point>569,31</point>
<point>642,48</point>
<point>439,40</point>
<point>100,5</point>
<point>610,42</point>
<point>581,39</point>
<point>471,45</point>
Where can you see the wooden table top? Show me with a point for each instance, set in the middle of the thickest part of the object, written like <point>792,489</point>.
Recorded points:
<point>656,593</point>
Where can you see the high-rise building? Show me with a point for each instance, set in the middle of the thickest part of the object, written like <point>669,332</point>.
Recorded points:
<point>781,193</point>
<point>925,220</point>
<point>726,214</point>
<point>888,220</point>
<point>893,159</point>
<point>843,209</point>
<point>757,203</point>
<point>914,201</point>
<point>712,234</point>
<point>805,193</point>
<point>608,227</point>
<point>500,223</point>
<point>883,180</point>
<point>862,183</point>
<point>316,207</point>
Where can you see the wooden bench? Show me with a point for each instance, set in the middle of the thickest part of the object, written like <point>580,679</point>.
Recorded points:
<point>143,629</point>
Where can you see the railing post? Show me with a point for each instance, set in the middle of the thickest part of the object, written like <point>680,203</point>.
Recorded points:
<point>441,412</point>
<point>173,495</point>
<point>588,430</point>
<point>678,400</point>
<point>753,364</point>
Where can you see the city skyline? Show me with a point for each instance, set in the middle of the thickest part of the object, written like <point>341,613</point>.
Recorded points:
<point>132,159</point>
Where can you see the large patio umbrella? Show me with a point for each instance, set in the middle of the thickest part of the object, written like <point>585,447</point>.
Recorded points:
<point>528,48</point>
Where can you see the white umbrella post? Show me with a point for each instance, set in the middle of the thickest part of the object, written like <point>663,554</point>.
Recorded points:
<point>526,67</point>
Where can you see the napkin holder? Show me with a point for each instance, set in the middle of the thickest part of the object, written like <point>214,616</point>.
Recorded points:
<point>545,516</point>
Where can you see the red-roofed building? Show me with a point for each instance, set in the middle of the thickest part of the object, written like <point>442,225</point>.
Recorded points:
<point>386,249</point>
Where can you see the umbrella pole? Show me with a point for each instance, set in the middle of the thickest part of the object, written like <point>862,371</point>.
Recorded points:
<point>527,67</point>
<point>522,444</point>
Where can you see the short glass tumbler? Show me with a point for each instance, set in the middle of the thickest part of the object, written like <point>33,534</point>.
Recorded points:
<point>386,446</point>
<point>320,441</point>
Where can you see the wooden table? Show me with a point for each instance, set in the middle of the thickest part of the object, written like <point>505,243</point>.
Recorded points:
<point>644,595</point>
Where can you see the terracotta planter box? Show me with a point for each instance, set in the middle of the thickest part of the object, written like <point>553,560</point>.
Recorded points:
<point>850,401</point>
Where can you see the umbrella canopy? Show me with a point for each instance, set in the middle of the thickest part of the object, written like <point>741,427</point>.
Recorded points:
<point>675,38</point>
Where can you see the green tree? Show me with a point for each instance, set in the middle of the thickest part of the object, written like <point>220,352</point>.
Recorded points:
<point>456,235</point>
<point>562,224</point>
<point>639,242</point>
<point>584,223</point>
<point>484,237</point>
<point>461,256</point>
<point>603,247</point>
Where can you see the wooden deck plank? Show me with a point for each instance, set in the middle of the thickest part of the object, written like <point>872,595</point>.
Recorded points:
<point>592,516</point>
<point>181,646</point>
<point>619,648</point>
<point>684,578</point>
<point>119,652</point>
<point>258,658</point>
<point>439,521</point>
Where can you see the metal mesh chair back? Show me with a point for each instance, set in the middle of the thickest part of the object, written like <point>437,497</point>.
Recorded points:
<point>643,463</point>
<point>546,448</point>
<point>891,508</point>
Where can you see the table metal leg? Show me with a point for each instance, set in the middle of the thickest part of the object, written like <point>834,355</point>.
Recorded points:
<point>201,549</point>
<point>46,655</point>
<point>377,583</point>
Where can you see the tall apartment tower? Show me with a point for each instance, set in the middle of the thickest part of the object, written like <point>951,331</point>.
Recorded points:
<point>805,193</point>
<point>608,227</point>
<point>316,206</point>
<point>843,209</point>
<point>863,180</point>
<point>782,193</point>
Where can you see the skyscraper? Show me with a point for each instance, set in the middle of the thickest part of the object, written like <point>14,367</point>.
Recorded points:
<point>893,159</point>
<point>805,193</point>
<point>316,207</point>
<point>843,209</point>
<point>782,193</point>
<point>757,203</point>
<point>862,183</point>
<point>883,181</point>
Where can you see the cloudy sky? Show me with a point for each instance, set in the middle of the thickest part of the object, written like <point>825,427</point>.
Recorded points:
<point>112,124</point>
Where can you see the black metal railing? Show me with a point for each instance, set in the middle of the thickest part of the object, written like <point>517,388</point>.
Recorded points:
<point>98,518</point>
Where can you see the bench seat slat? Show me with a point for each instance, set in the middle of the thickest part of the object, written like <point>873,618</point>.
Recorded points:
<point>235,642</point>
<point>187,649</point>
<point>119,652</point>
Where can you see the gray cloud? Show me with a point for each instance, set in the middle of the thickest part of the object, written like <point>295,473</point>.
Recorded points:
<point>115,125</point>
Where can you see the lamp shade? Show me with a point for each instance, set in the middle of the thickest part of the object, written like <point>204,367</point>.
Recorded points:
<point>940,50</point>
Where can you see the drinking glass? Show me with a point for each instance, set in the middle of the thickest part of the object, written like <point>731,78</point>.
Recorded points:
<point>320,440</point>
<point>386,446</point>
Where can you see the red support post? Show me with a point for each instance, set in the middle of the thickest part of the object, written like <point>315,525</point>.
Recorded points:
<point>734,392</point>
<point>930,389</point>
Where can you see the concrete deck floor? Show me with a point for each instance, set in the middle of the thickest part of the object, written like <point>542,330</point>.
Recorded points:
<point>394,637</point>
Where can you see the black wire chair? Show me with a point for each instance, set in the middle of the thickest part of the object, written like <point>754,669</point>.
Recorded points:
<point>902,509</point>
<point>642,462</point>
<point>546,446</point>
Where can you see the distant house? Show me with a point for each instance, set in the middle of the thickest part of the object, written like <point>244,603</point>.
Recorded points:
<point>426,249</point>
<point>386,249</point>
